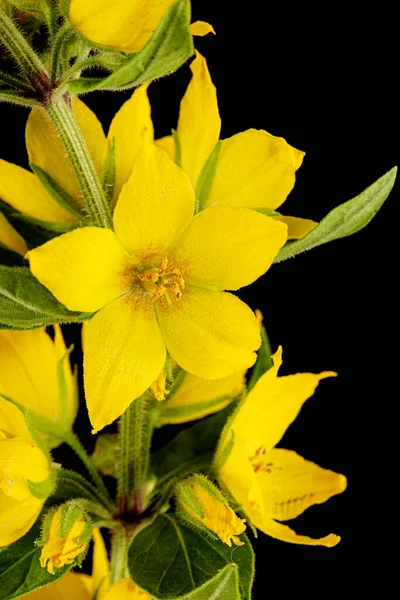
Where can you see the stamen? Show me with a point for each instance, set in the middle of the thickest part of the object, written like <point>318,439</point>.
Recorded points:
<point>162,281</point>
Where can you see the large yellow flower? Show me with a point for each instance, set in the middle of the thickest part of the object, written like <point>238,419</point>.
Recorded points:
<point>77,586</point>
<point>273,484</point>
<point>21,461</point>
<point>23,191</point>
<point>159,282</point>
<point>254,170</point>
<point>123,24</point>
<point>30,366</point>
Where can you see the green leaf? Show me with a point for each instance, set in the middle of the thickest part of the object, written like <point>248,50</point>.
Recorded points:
<point>191,450</point>
<point>224,586</point>
<point>42,489</point>
<point>20,570</point>
<point>344,220</point>
<point>54,189</point>
<point>206,178</point>
<point>26,304</point>
<point>170,560</point>
<point>168,48</point>
<point>264,360</point>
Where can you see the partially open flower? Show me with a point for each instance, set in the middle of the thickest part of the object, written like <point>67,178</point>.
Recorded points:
<point>22,465</point>
<point>202,503</point>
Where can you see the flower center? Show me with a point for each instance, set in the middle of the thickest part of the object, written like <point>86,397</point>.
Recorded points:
<point>162,281</point>
<point>259,464</point>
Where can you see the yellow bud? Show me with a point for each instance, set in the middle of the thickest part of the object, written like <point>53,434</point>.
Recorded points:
<point>202,501</point>
<point>59,551</point>
<point>21,462</point>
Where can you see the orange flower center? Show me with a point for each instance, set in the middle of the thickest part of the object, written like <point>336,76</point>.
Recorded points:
<point>162,281</point>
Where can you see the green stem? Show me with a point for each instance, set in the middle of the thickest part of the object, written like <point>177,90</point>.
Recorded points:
<point>71,439</point>
<point>67,127</point>
<point>135,439</point>
<point>19,49</point>
<point>64,35</point>
<point>119,552</point>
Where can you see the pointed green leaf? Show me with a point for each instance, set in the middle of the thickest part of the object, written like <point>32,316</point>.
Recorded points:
<point>344,220</point>
<point>20,570</point>
<point>26,304</point>
<point>224,586</point>
<point>206,178</point>
<point>42,489</point>
<point>170,560</point>
<point>168,48</point>
<point>264,360</point>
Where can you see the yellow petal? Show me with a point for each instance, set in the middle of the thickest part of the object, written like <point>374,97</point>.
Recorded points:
<point>201,28</point>
<point>125,589</point>
<point>238,475</point>
<point>16,518</point>
<point>255,170</point>
<point>81,268</point>
<point>130,126</point>
<point>154,206</point>
<point>10,238</point>
<point>24,192</point>
<point>290,484</point>
<point>211,334</point>
<point>28,371</point>
<point>124,353</point>
<point>271,406</point>
<point>167,144</point>
<point>123,24</point>
<point>199,123</point>
<point>285,534</point>
<point>51,156</point>
<point>196,397</point>
<point>227,247</point>
<point>70,587</point>
<point>70,379</point>
<point>297,227</point>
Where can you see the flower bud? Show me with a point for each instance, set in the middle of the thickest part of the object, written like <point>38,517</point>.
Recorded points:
<point>22,467</point>
<point>203,505</point>
<point>65,535</point>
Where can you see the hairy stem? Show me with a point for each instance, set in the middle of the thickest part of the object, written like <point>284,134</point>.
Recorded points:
<point>119,551</point>
<point>67,126</point>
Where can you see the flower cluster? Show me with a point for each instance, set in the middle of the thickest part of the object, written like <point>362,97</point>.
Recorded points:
<point>144,242</point>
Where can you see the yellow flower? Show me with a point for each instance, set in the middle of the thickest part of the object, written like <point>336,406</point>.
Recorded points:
<point>196,397</point>
<point>77,586</point>
<point>61,550</point>
<point>273,484</point>
<point>126,26</point>
<point>29,365</point>
<point>255,169</point>
<point>20,461</point>
<point>200,501</point>
<point>23,191</point>
<point>10,238</point>
<point>159,282</point>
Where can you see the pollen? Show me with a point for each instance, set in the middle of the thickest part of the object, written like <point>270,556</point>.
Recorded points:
<point>164,280</point>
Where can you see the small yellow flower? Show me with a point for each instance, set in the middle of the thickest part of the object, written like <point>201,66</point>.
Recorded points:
<point>126,26</point>
<point>29,365</point>
<point>255,169</point>
<point>201,501</point>
<point>273,484</point>
<point>77,586</point>
<point>21,461</point>
<point>10,238</point>
<point>59,551</point>
<point>158,282</point>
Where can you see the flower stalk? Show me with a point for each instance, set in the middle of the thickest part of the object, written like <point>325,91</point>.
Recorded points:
<point>63,118</point>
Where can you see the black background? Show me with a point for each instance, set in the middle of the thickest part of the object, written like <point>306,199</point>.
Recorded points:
<point>325,81</point>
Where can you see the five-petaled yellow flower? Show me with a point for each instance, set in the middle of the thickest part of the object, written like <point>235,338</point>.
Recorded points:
<point>31,364</point>
<point>78,586</point>
<point>254,168</point>
<point>126,26</point>
<point>273,484</point>
<point>21,461</point>
<point>158,282</point>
